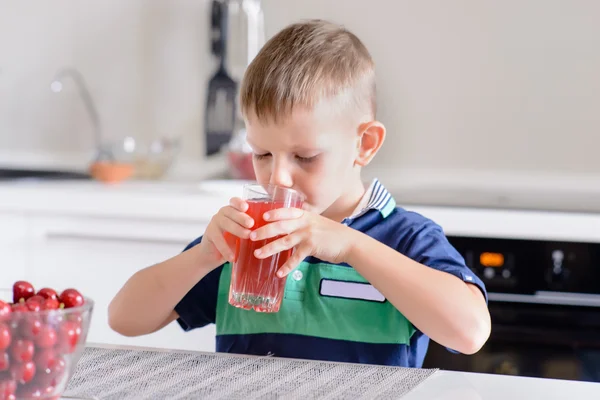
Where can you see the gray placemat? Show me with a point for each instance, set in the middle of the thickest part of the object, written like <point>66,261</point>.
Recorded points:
<point>106,373</point>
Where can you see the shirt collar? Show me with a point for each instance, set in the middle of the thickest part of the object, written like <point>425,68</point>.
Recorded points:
<point>376,197</point>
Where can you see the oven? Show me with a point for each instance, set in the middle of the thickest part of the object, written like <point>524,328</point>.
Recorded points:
<point>544,301</point>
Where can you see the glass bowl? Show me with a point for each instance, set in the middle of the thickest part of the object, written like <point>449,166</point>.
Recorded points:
<point>39,349</point>
<point>152,159</point>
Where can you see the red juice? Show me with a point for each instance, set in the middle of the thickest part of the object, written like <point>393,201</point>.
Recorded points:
<point>254,283</point>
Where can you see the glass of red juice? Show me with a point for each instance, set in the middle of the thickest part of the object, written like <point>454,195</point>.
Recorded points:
<point>254,283</point>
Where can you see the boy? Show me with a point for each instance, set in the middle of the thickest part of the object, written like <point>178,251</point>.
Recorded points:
<point>308,101</point>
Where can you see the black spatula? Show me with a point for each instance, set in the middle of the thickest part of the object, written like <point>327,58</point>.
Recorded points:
<point>222,89</point>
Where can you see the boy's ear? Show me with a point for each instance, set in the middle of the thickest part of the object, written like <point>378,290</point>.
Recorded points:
<point>370,138</point>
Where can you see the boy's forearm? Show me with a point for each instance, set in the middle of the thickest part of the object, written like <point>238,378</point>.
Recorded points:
<point>148,298</point>
<point>448,310</point>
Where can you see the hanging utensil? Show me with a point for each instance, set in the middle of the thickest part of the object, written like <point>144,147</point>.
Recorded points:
<point>222,88</point>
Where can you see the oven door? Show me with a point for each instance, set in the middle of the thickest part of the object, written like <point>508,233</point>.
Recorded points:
<point>534,340</point>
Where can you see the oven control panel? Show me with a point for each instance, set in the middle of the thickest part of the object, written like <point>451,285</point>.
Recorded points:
<point>535,271</point>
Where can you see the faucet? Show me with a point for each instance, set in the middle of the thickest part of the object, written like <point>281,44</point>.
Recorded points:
<point>57,86</point>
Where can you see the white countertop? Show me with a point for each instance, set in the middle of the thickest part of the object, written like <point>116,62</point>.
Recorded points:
<point>451,385</point>
<point>135,199</point>
<point>199,200</point>
<point>188,196</point>
<point>480,203</point>
<point>501,189</point>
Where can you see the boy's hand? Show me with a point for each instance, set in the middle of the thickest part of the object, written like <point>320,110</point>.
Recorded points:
<point>310,234</point>
<point>218,242</point>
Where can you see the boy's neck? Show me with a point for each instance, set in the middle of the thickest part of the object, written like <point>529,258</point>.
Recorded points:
<point>345,205</point>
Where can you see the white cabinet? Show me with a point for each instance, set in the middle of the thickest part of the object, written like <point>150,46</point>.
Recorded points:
<point>14,248</point>
<point>97,256</point>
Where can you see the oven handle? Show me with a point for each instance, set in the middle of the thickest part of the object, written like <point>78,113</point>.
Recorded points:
<point>545,297</point>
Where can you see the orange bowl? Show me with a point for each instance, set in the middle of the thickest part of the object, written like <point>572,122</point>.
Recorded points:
<point>111,172</point>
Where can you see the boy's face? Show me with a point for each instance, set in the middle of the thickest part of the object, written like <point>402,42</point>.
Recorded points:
<point>313,152</point>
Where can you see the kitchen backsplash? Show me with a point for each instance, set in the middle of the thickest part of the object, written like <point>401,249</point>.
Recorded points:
<point>510,86</point>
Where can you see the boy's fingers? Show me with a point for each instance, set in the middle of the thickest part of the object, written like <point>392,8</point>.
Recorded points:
<point>283,213</point>
<point>299,255</point>
<point>234,228</point>
<point>222,247</point>
<point>285,243</point>
<point>238,204</point>
<point>273,229</point>
<point>238,217</point>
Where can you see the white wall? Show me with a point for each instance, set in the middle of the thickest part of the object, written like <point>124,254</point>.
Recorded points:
<point>145,62</point>
<point>463,84</point>
<point>509,85</point>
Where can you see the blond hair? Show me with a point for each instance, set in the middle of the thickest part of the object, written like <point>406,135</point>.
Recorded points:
<point>305,63</point>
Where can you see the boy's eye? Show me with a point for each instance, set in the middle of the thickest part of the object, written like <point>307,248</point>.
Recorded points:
<point>261,156</point>
<point>306,159</point>
<point>299,158</point>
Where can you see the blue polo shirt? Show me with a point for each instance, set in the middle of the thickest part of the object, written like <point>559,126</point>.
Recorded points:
<point>329,311</point>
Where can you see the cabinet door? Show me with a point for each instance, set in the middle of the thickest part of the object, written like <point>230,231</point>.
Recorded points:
<point>14,246</point>
<point>97,256</point>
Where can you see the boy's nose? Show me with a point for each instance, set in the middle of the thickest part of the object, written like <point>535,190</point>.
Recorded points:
<point>281,176</point>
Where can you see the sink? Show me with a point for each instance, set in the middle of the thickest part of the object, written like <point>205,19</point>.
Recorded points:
<point>40,174</point>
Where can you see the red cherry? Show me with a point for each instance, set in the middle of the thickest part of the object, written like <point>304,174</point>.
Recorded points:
<point>35,298</point>
<point>34,306</point>
<point>5,311</point>
<point>22,350</point>
<point>58,369</point>
<point>49,390</point>
<point>75,317</point>
<point>45,360</point>
<point>54,372</point>
<point>68,336</point>
<point>34,303</point>
<point>24,372</point>
<point>30,327</point>
<point>50,304</point>
<point>29,391</point>
<point>19,311</point>
<point>8,387</point>
<point>4,363</point>
<point>48,293</point>
<point>22,290</point>
<point>19,307</point>
<point>71,298</point>
<point>46,338</point>
<point>55,318</point>
<point>5,337</point>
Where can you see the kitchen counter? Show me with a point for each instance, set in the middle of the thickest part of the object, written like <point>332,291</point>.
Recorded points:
<point>133,372</point>
<point>182,201</point>
<point>455,188</point>
<point>472,203</point>
<point>135,199</point>
<point>516,190</point>
<point>451,385</point>
<point>180,196</point>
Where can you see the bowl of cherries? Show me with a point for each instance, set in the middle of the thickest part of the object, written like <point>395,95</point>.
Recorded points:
<point>42,337</point>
